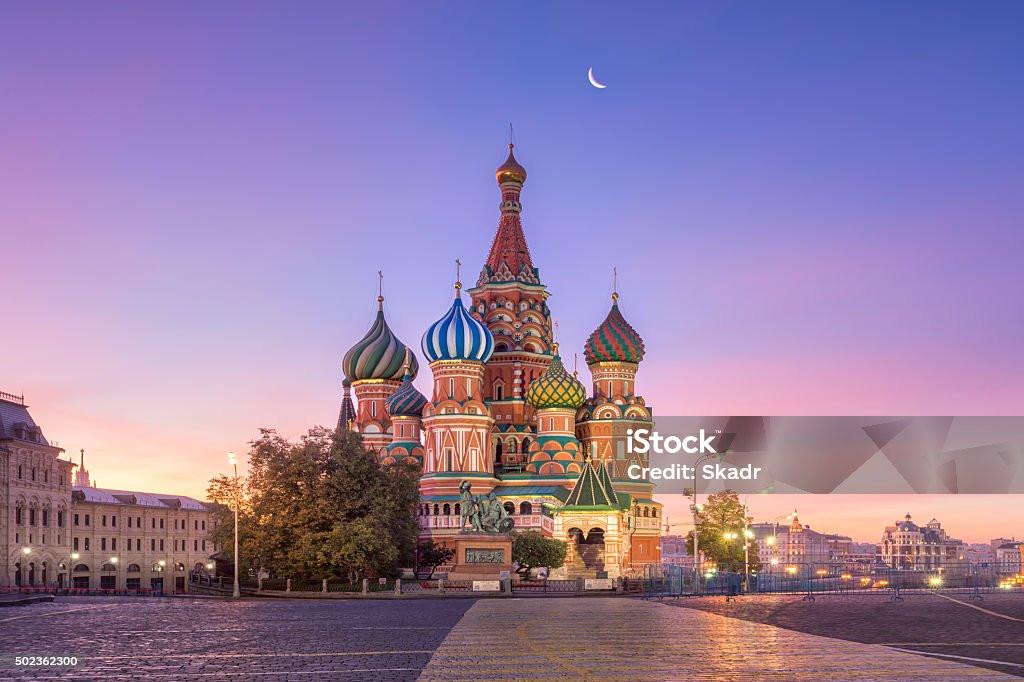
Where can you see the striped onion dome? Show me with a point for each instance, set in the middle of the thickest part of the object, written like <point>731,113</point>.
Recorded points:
<point>406,401</point>
<point>458,336</point>
<point>614,340</point>
<point>556,388</point>
<point>379,355</point>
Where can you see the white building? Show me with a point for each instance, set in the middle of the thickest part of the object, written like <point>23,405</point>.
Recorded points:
<point>35,495</point>
<point>906,545</point>
<point>126,540</point>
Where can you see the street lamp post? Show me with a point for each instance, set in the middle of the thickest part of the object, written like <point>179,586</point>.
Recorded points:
<point>696,531</point>
<point>235,591</point>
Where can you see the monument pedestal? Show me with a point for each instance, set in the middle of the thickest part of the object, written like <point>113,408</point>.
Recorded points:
<point>481,556</point>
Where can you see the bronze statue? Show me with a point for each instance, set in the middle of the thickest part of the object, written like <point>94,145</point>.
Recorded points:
<point>483,513</point>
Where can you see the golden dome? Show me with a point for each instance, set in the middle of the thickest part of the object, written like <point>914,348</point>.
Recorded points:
<point>510,171</point>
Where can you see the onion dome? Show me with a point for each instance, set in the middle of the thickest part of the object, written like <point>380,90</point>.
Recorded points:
<point>510,171</point>
<point>379,355</point>
<point>406,401</point>
<point>556,388</point>
<point>458,336</point>
<point>614,340</point>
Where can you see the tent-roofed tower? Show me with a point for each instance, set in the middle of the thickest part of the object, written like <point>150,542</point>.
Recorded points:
<point>511,300</point>
<point>613,353</point>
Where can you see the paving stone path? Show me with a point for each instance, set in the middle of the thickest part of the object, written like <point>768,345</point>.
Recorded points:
<point>627,639</point>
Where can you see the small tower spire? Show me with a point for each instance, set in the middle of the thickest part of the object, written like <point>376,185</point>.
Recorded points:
<point>615,284</point>
<point>380,290</point>
<point>458,277</point>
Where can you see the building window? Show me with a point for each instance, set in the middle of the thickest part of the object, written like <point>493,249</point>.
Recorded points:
<point>74,544</point>
<point>86,544</point>
<point>525,508</point>
<point>449,456</point>
<point>113,544</point>
<point>113,521</point>
<point>153,522</point>
<point>451,388</point>
<point>74,520</point>
<point>103,544</point>
<point>87,519</point>
<point>204,525</point>
<point>17,514</point>
<point>60,518</point>
<point>46,518</point>
<point>103,522</point>
<point>152,544</point>
<point>161,524</point>
<point>161,545</point>
<point>195,545</point>
<point>32,516</point>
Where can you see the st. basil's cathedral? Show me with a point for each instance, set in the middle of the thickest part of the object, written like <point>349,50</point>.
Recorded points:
<point>507,416</point>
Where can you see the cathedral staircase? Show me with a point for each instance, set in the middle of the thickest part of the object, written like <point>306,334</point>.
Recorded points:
<point>587,561</point>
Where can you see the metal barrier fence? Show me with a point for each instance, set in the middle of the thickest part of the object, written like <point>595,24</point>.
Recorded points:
<point>834,578</point>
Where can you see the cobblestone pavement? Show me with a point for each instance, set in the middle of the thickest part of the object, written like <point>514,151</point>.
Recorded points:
<point>458,639</point>
<point>200,639</point>
<point>989,632</point>
<point>629,639</point>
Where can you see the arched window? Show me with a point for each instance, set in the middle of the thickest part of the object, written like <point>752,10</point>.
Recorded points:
<point>636,511</point>
<point>447,509</point>
<point>509,507</point>
<point>647,512</point>
<point>81,568</point>
<point>134,568</point>
<point>437,509</point>
<point>19,516</point>
<point>458,509</point>
<point>499,390</point>
<point>178,566</point>
<point>525,508</point>
<point>108,567</point>
<point>157,567</point>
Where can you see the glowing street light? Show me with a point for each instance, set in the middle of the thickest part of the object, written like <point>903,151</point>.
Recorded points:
<point>26,550</point>
<point>75,555</point>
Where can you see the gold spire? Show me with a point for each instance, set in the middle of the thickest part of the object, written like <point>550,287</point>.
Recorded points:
<point>380,290</point>
<point>458,277</point>
<point>615,285</point>
<point>406,363</point>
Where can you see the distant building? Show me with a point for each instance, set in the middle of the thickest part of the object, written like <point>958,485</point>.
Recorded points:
<point>127,540</point>
<point>673,551</point>
<point>1009,557</point>
<point>55,534</point>
<point>906,545</point>
<point>795,544</point>
<point>35,495</point>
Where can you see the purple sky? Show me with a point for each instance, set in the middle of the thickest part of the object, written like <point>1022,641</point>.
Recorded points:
<point>814,208</point>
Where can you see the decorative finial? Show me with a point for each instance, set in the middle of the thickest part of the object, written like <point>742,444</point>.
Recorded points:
<point>406,364</point>
<point>511,140</point>
<point>575,365</point>
<point>458,277</point>
<point>615,284</point>
<point>380,290</point>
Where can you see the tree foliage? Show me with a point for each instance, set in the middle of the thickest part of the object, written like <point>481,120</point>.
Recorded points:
<point>431,555</point>
<point>530,549</point>
<point>320,507</point>
<point>723,513</point>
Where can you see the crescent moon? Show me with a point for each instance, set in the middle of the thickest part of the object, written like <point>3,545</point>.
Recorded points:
<point>594,81</point>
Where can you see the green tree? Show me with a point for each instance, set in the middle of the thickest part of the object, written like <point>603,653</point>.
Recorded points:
<point>530,549</point>
<point>723,514</point>
<point>431,555</point>
<point>321,506</point>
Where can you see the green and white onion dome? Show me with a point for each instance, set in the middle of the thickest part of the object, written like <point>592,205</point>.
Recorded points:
<point>378,355</point>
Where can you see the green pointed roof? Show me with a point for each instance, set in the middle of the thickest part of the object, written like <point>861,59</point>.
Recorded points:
<point>590,491</point>
<point>605,477</point>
